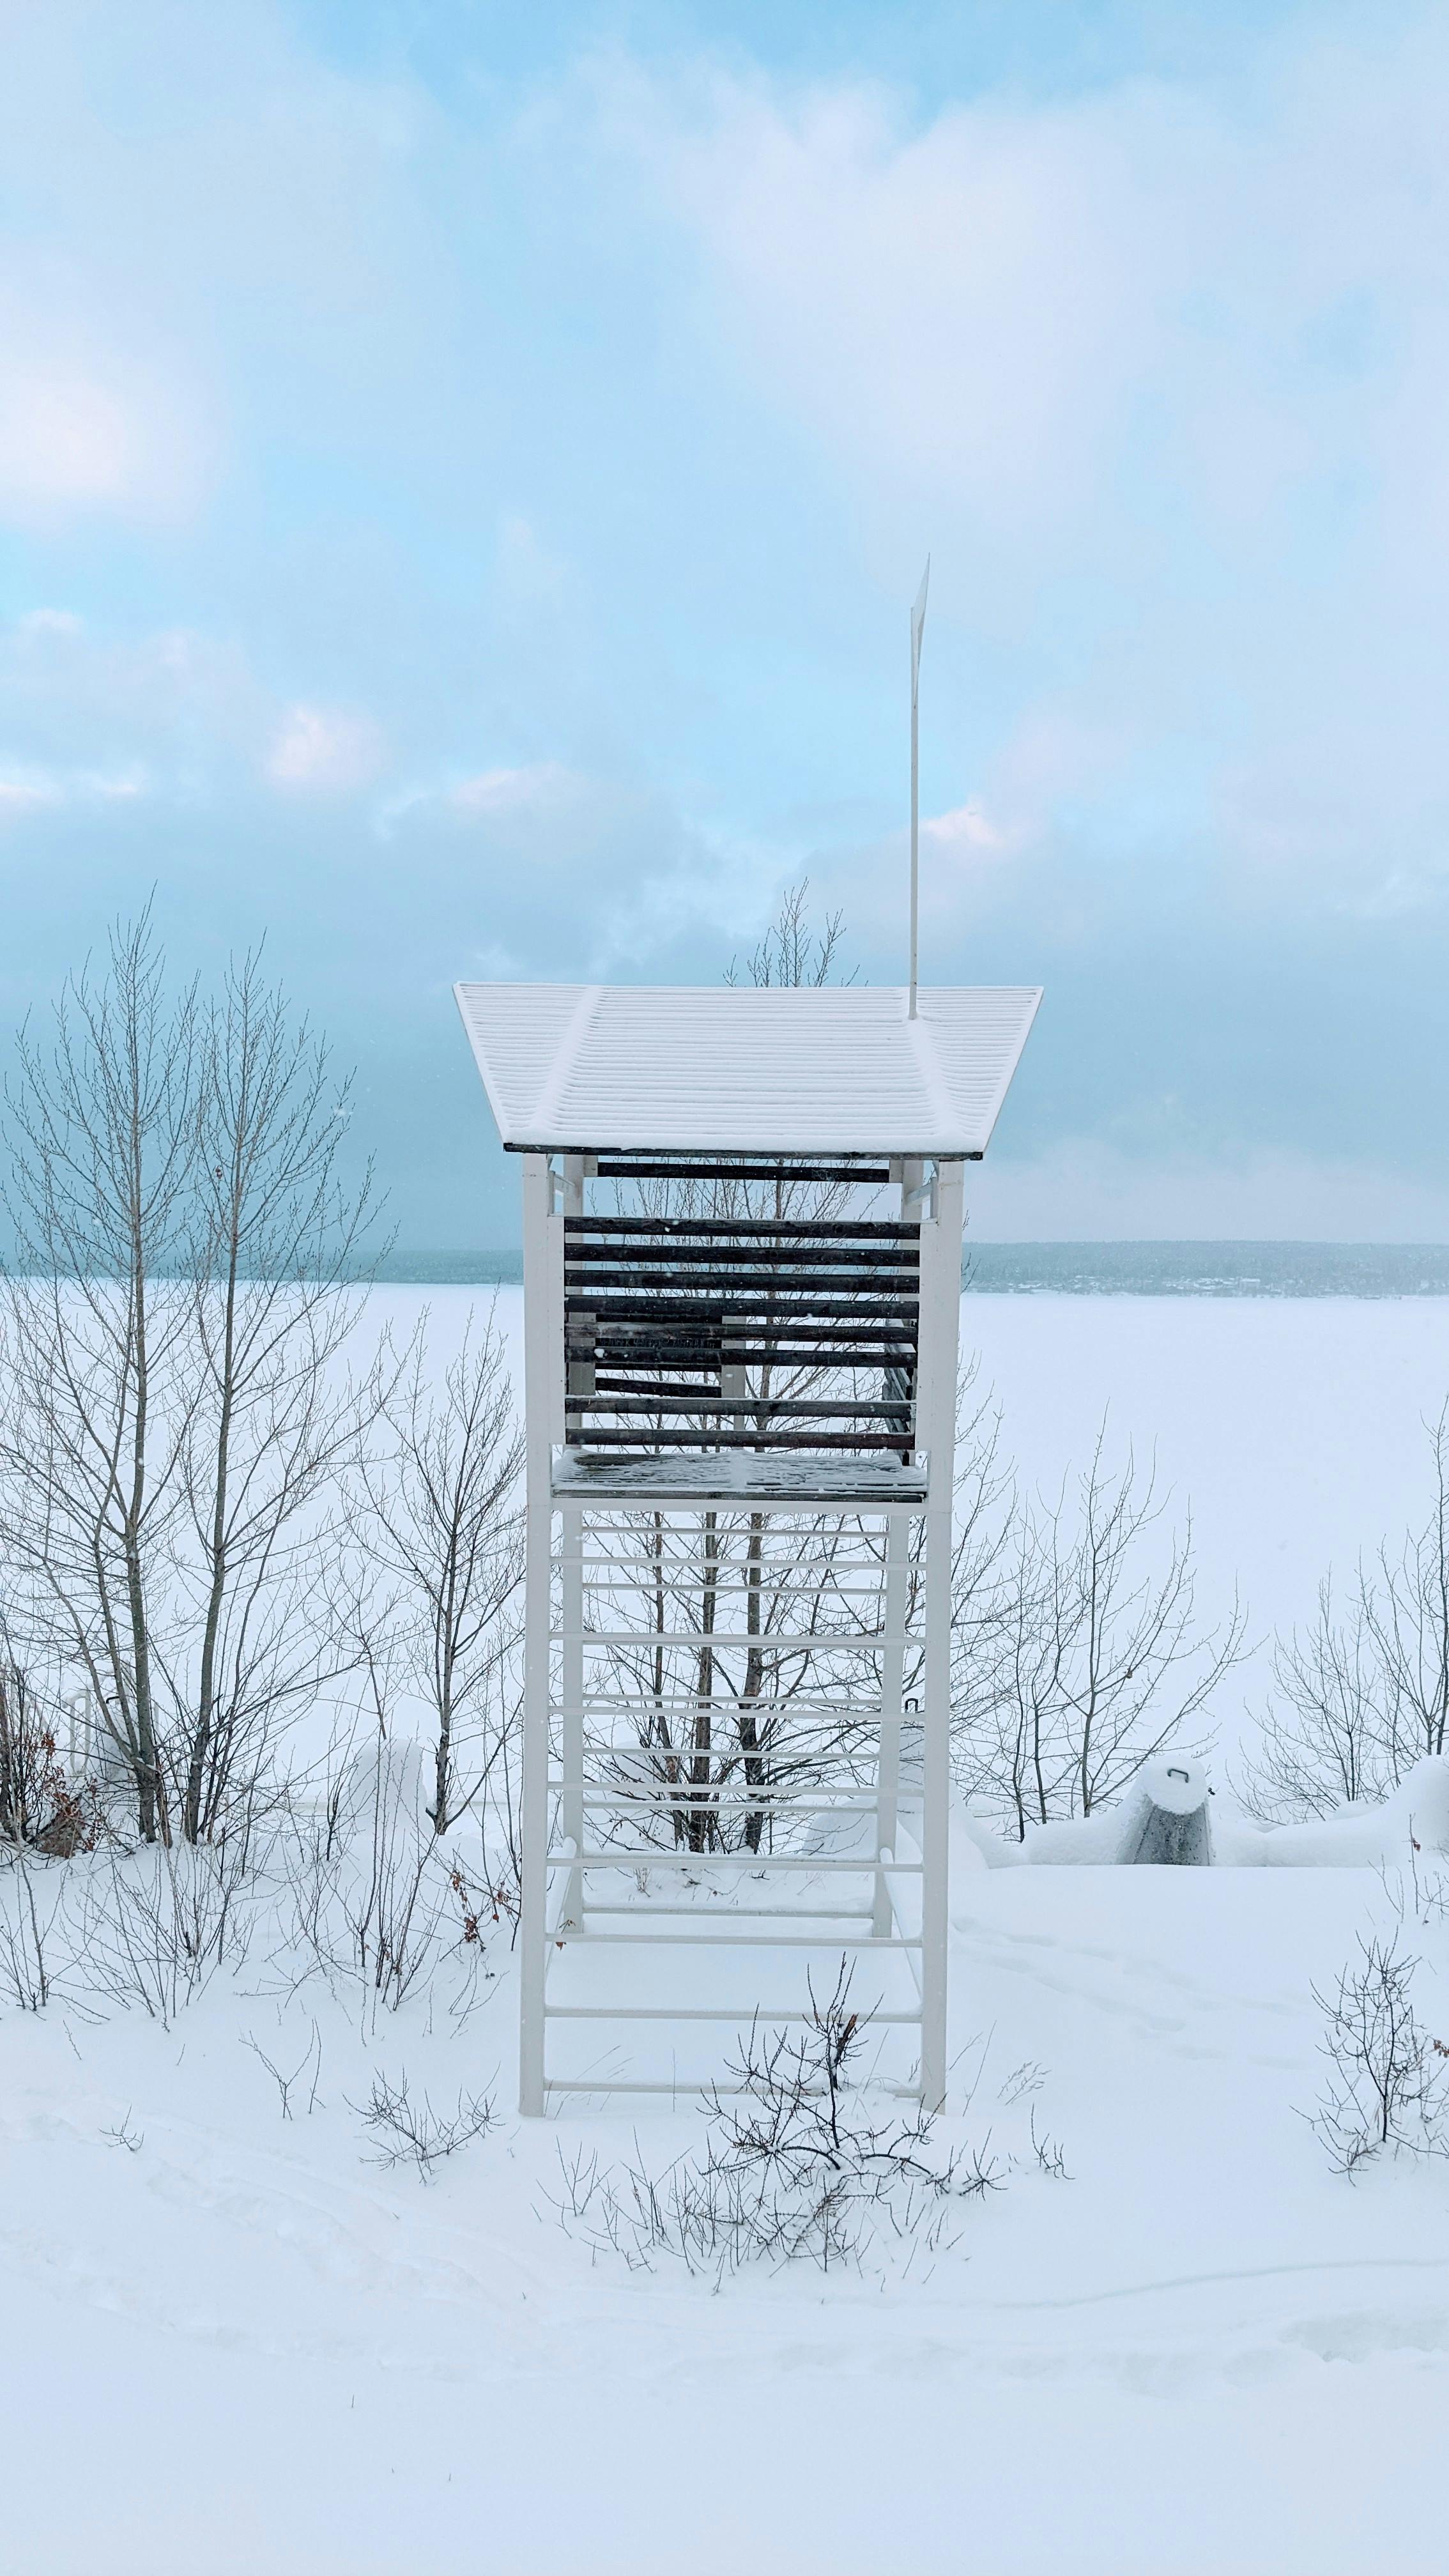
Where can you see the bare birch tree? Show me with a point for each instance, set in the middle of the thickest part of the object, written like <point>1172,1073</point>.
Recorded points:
<point>447,1531</point>
<point>173,1422</point>
<point>101,1125</point>
<point>272,1419</point>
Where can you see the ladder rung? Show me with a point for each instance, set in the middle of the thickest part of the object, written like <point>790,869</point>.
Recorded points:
<point>754,1864</point>
<point>705,2012</point>
<point>726,1641</point>
<point>744,1940</point>
<point>739,1913</point>
<point>687,2084</point>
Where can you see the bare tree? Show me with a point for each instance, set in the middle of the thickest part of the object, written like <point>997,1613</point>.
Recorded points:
<point>1095,1657</point>
<point>1006,1715</point>
<point>173,1423</point>
<point>1327,1736</point>
<point>720,1736</point>
<point>792,952</point>
<point>1406,1611</point>
<point>271,1422</point>
<point>1363,1695</point>
<point>102,1147</point>
<point>444,1496</point>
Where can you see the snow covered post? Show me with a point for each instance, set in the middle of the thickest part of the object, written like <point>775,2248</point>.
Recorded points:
<point>1167,1816</point>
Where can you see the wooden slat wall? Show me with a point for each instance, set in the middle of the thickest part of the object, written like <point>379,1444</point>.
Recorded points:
<point>678,1331</point>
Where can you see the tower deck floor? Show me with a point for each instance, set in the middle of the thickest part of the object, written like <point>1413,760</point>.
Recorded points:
<point>782,1481</point>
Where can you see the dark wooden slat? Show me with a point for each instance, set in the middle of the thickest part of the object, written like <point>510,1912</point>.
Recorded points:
<point>896,1331</point>
<point>690,1229</point>
<point>740,1440</point>
<point>675,1397</point>
<point>703,1250</point>
<point>802,1408</point>
<point>710,1358</point>
<point>657,1169</point>
<point>615,1305</point>
<point>767,1292</point>
<point>736,1297</point>
<point>664,1322</point>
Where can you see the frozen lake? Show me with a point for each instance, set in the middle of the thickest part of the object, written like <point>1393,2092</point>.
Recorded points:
<point>1292,1427</point>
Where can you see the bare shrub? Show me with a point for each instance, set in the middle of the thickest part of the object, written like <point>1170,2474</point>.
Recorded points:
<point>29,1938</point>
<point>377,1900</point>
<point>1387,2076</point>
<point>404,2131</point>
<point>41,1807</point>
<point>156,1925</point>
<point>1048,2151</point>
<point>308,2068</point>
<point>794,2168</point>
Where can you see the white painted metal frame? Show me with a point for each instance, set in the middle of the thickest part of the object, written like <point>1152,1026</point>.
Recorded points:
<point>906,1907</point>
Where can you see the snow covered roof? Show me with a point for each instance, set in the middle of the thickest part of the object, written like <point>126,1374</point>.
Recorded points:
<point>721,1069</point>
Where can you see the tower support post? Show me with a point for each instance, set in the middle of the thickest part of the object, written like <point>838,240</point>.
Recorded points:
<point>542,1357</point>
<point>936,1428</point>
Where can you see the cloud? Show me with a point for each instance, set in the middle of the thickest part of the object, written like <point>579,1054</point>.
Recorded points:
<point>28,792</point>
<point>177,712</point>
<point>545,783</point>
<point>967,831</point>
<point>210,235</point>
<point>315,748</point>
<point>62,438</point>
<point>98,417</point>
<point>542,481</point>
<point>1159,372</point>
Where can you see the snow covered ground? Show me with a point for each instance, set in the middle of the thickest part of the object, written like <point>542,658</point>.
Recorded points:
<point>228,2342</point>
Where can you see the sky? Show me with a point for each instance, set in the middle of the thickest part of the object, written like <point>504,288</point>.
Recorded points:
<point>464,473</point>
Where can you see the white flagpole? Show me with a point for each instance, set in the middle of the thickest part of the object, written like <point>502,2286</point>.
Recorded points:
<point>918,621</point>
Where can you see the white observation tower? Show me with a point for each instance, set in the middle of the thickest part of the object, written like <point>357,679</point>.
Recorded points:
<point>742,1278</point>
